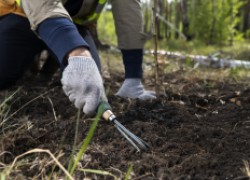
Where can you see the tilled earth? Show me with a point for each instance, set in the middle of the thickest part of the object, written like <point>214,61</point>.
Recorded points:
<point>198,132</point>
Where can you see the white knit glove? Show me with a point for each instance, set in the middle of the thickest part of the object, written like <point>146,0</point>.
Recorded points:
<point>133,88</point>
<point>82,83</point>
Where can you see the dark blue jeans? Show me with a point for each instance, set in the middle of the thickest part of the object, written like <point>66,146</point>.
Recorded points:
<point>19,45</point>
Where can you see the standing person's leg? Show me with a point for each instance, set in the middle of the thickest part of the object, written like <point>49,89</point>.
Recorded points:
<point>18,46</point>
<point>129,28</point>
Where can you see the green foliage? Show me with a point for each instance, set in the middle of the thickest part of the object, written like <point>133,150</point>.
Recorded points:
<point>209,21</point>
<point>189,62</point>
<point>247,34</point>
<point>106,28</point>
<point>214,22</point>
<point>234,72</point>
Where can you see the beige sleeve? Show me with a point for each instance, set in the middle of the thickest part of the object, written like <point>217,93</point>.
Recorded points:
<point>39,10</point>
<point>129,23</point>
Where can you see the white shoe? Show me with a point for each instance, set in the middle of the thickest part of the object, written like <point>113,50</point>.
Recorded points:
<point>133,88</point>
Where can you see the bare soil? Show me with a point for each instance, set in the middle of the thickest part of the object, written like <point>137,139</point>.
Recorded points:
<point>198,128</point>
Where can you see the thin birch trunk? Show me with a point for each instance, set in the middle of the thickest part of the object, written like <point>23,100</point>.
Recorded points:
<point>154,25</point>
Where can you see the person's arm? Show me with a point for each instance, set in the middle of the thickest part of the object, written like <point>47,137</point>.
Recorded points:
<point>81,79</point>
<point>62,37</point>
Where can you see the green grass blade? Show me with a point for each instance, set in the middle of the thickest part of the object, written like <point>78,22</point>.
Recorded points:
<point>86,142</point>
<point>3,177</point>
<point>129,172</point>
<point>71,160</point>
<point>4,107</point>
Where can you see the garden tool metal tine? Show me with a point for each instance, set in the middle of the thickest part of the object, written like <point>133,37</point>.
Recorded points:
<point>125,135</point>
<point>107,114</point>
<point>132,136</point>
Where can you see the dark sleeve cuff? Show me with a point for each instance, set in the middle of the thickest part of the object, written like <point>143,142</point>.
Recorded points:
<point>132,60</point>
<point>61,36</point>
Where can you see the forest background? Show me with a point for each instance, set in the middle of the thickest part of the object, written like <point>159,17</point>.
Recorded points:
<point>192,26</point>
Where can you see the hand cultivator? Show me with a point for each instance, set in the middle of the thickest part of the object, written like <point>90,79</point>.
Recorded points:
<point>107,114</point>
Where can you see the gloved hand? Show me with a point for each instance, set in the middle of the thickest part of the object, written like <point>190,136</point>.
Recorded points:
<point>133,88</point>
<point>82,83</point>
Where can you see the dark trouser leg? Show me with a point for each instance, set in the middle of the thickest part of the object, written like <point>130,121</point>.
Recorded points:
<point>92,47</point>
<point>18,47</point>
<point>93,30</point>
<point>49,68</point>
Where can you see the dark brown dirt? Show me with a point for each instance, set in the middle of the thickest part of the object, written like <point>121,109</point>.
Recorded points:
<point>198,132</point>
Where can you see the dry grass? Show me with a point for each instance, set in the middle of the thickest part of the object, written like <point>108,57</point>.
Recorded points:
<point>247,168</point>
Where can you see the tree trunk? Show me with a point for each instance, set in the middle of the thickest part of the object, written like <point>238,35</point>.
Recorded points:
<point>231,40</point>
<point>170,10</point>
<point>211,39</point>
<point>246,16</point>
<point>160,10</point>
<point>185,20</point>
<point>147,19</point>
<point>177,18</point>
